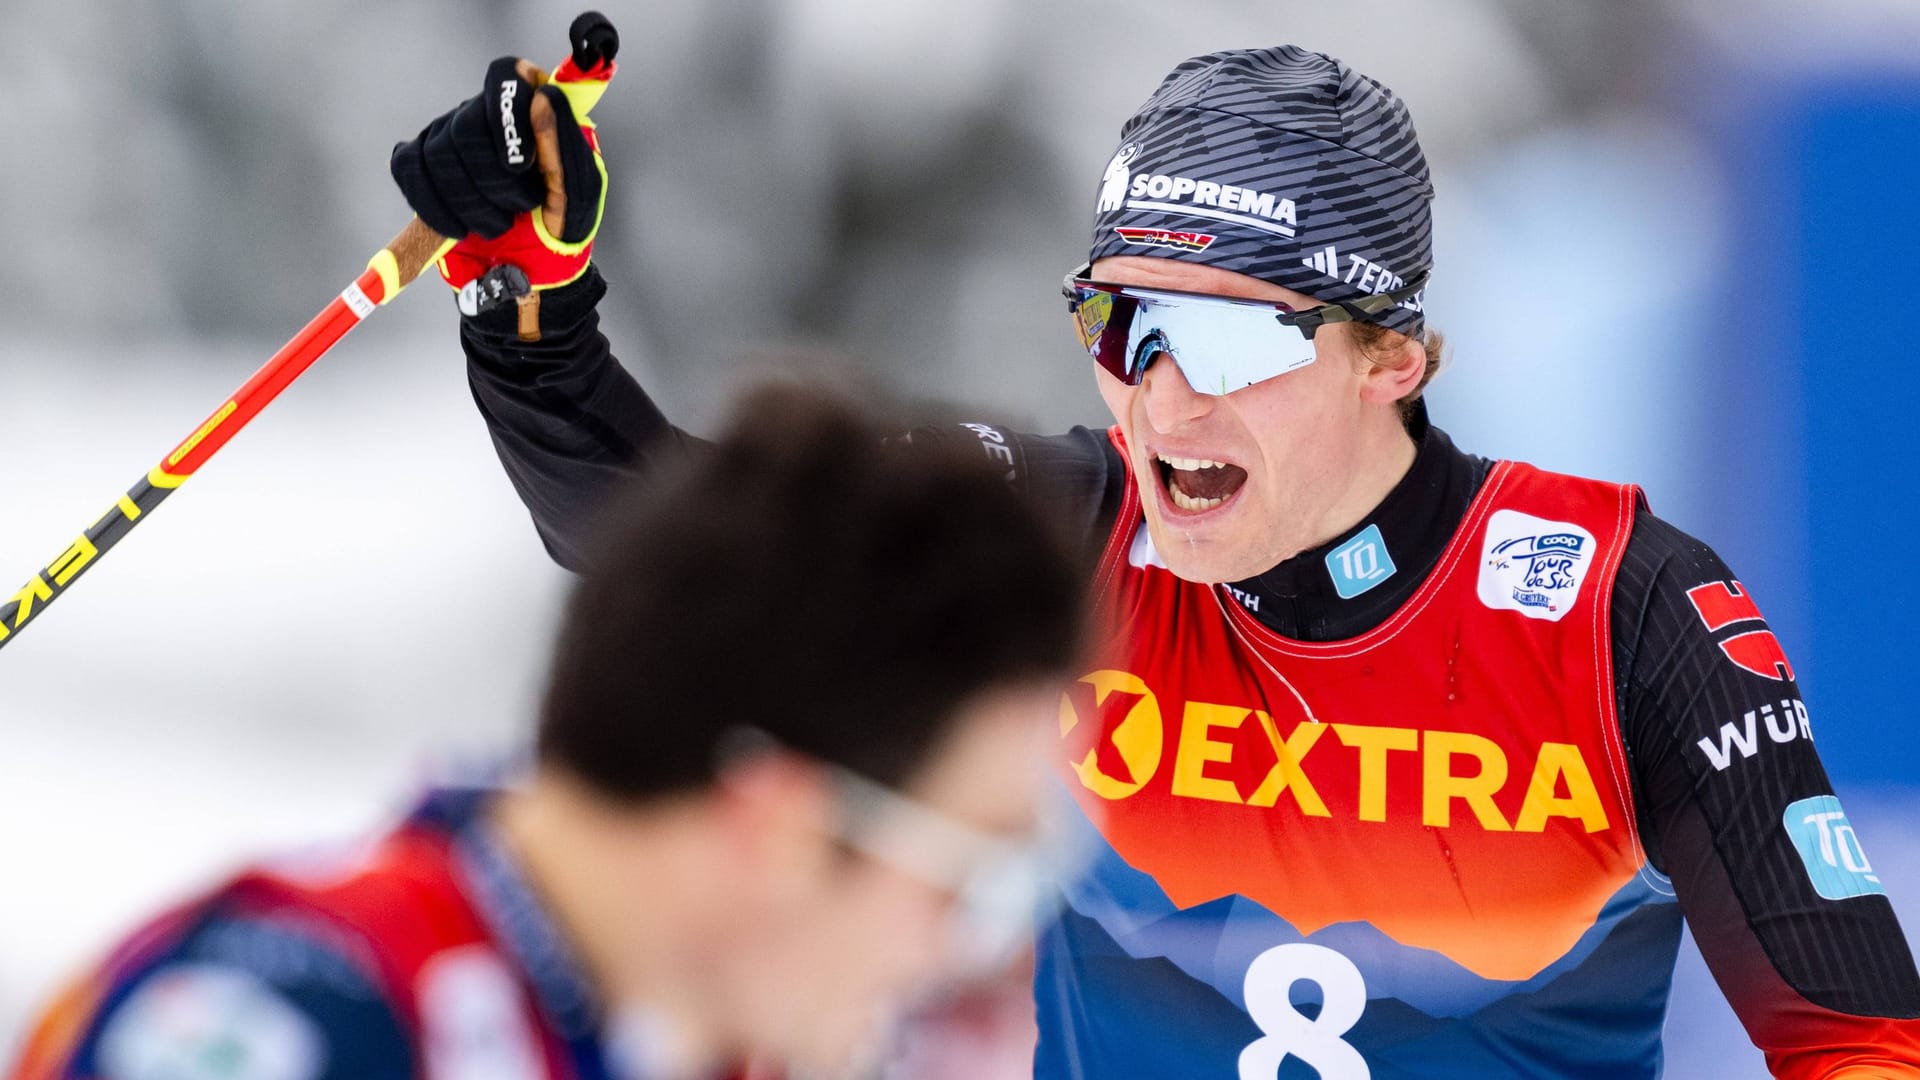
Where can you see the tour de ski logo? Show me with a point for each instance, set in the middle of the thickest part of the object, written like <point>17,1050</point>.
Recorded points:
<point>1533,566</point>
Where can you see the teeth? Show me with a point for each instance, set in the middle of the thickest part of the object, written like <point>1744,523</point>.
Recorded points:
<point>1187,502</point>
<point>1191,464</point>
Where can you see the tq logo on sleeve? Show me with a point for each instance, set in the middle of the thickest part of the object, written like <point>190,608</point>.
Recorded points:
<point>1829,848</point>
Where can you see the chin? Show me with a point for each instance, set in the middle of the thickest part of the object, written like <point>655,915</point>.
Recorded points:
<point>1201,552</point>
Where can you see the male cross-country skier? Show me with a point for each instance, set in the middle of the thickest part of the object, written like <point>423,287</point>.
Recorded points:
<point>750,834</point>
<point>1401,761</point>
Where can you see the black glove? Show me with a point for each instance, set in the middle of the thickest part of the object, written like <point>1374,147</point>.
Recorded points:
<point>474,169</point>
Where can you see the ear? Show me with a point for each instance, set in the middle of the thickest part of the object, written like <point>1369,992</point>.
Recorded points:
<point>1393,374</point>
<point>775,812</point>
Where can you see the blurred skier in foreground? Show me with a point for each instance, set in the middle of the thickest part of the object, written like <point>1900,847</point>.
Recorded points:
<point>786,780</point>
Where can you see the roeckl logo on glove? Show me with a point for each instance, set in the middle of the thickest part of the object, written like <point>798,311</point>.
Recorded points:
<point>510,89</point>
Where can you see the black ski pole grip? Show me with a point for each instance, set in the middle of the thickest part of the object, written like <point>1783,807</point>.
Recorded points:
<point>594,40</point>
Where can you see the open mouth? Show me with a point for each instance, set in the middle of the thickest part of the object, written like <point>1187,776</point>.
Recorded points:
<point>1197,484</point>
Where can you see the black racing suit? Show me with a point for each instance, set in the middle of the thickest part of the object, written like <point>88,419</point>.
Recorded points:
<point>1709,785</point>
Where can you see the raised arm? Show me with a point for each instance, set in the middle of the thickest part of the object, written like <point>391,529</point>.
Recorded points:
<point>516,173</point>
<point>567,420</point>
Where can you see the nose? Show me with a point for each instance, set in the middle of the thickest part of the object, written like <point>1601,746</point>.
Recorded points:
<point>1170,400</point>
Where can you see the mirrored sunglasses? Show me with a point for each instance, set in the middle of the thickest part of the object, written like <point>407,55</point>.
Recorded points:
<point>1221,344</point>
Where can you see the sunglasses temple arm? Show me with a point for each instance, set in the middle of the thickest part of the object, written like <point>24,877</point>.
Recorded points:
<point>1379,302</point>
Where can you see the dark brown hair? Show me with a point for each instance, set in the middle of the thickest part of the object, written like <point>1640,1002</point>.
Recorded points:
<point>799,577</point>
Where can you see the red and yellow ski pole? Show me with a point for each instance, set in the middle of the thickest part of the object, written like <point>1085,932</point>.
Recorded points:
<point>394,268</point>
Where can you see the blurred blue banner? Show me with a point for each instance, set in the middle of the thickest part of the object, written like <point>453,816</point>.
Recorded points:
<point>1826,202</point>
<point>1859,147</point>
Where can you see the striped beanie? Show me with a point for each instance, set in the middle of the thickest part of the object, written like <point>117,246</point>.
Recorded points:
<point>1283,164</point>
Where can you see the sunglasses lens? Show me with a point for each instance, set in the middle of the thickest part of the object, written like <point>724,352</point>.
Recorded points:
<point>1091,313</point>
<point>1220,345</point>
<point>1101,320</point>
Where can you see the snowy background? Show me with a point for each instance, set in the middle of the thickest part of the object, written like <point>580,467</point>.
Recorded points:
<point>1633,198</point>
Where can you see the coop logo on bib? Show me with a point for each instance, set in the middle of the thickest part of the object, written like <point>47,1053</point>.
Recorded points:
<point>1533,566</point>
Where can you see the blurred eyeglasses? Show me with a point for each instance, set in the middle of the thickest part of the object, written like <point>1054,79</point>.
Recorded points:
<point>1221,343</point>
<point>995,881</point>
